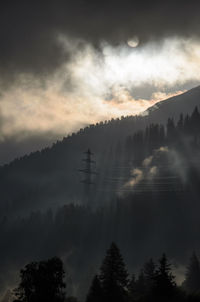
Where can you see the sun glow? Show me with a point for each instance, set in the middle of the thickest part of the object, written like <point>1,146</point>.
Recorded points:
<point>100,84</point>
<point>162,66</point>
<point>134,42</point>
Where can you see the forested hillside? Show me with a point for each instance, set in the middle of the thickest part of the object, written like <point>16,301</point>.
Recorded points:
<point>144,196</point>
<point>51,177</point>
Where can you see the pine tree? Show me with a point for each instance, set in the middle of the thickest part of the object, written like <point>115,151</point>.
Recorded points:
<point>132,287</point>
<point>140,286</point>
<point>192,281</point>
<point>95,292</point>
<point>171,130</point>
<point>149,275</point>
<point>165,286</point>
<point>180,124</point>
<point>114,276</point>
<point>195,117</point>
<point>161,134</point>
<point>195,124</point>
<point>186,124</point>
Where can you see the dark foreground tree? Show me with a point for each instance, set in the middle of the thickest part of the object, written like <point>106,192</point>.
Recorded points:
<point>140,287</point>
<point>42,281</point>
<point>165,286</point>
<point>95,292</point>
<point>150,279</point>
<point>132,288</point>
<point>71,299</point>
<point>192,281</point>
<point>114,276</point>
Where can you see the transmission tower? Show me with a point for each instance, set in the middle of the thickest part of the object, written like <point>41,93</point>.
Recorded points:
<point>88,171</point>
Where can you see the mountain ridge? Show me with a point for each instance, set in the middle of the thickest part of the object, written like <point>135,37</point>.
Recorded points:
<point>157,113</point>
<point>145,196</point>
<point>51,177</point>
<point>171,106</point>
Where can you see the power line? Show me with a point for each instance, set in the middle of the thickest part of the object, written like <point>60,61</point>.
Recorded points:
<point>88,170</point>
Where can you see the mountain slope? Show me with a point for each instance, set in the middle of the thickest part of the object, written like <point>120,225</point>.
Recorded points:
<point>172,107</point>
<point>37,223</point>
<point>51,177</point>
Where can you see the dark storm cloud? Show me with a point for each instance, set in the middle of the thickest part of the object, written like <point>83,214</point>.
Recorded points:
<point>29,29</point>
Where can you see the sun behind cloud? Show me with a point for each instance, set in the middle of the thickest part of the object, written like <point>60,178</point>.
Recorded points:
<point>95,86</point>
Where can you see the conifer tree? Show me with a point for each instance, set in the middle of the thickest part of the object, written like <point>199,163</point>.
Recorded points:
<point>164,280</point>
<point>140,286</point>
<point>95,292</point>
<point>132,287</point>
<point>180,124</point>
<point>186,124</point>
<point>114,276</point>
<point>192,281</point>
<point>149,275</point>
<point>171,130</point>
<point>195,124</point>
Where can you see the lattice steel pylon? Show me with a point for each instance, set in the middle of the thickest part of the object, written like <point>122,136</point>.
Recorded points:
<point>88,172</point>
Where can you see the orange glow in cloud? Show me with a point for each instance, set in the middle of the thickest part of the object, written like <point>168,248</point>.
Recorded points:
<point>100,87</point>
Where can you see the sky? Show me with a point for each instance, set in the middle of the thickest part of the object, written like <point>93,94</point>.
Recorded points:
<point>67,64</point>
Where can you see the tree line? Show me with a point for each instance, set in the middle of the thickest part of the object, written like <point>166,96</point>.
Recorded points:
<point>174,134</point>
<point>155,282</point>
<point>44,281</point>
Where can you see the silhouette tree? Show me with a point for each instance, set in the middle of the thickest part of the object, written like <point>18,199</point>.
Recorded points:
<point>132,288</point>
<point>95,292</point>
<point>180,124</point>
<point>192,281</point>
<point>171,130</point>
<point>71,299</point>
<point>149,275</point>
<point>140,287</point>
<point>195,124</point>
<point>42,281</point>
<point>114,276</point>
<point>165,286</point>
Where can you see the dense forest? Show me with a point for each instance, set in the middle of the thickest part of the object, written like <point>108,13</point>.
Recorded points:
<point>144,196</point>
<point>51,178</point>
<point>100,151</point>
<point>45,281</point>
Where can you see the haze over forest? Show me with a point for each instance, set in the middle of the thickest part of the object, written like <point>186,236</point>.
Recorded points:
<point>100,147</point>
<point>146,174</point>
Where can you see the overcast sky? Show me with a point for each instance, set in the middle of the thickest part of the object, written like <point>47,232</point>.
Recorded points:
<point>65,64</point>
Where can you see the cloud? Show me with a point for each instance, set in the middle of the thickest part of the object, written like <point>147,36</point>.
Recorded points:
<point>136,177</point>
<point>91,84</point>
<point>29,31</point>
<point>148,169</point>
<point>163,149</point>
<point>153,171</point>
<point>147,161</point>
<point>175,164</point>
<point>93,87</point>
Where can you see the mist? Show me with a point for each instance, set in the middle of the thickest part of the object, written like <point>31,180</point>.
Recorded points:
<point>96,85</point>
